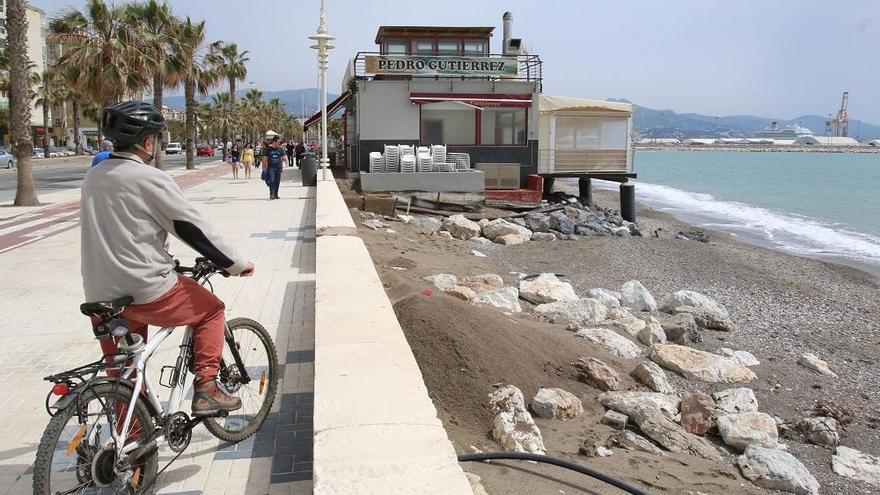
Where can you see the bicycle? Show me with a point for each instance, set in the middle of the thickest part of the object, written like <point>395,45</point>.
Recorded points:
<point>108,423</point>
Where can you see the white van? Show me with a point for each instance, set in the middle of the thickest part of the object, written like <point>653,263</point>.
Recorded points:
<point>173,149</point>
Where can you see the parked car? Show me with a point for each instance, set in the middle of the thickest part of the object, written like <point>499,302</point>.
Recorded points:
<point>6,159</point>
<point>53,152</point>
<point>173,149</point>
<point>205,150</point>
<point>39,153</point>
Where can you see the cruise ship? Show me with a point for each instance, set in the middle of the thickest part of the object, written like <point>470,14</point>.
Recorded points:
<point>790,132</point>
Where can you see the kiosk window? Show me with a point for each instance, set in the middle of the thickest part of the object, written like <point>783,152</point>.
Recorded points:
<point>395,47</point>
<point>449,123</point>
<point>503,126</point>
<point>447,47</point>
<point>474,47</point>
<point>424,47</point>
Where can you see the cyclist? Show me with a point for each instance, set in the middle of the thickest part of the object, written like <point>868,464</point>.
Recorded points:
<point>128,210</point>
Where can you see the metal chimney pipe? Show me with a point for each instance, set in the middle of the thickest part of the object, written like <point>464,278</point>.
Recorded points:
<point>507,32</point>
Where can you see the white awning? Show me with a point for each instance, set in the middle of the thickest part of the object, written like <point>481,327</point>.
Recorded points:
<point>548,103</point>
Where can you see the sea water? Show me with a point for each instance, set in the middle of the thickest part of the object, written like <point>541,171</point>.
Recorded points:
<point>824,205</point>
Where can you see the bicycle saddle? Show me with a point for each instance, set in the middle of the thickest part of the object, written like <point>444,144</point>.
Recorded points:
<point>104,307</point>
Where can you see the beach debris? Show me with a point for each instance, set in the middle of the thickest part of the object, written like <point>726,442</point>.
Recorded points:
<point>513,426</point>
<point>481,240</point>
<point>460,227</point>
<point>499,227</point>
<point>633,441</point>
<point>750,428</point>
<point>546,288</point>
<point>511,239</point>
<point>538,223</point>
<point>700,365</point>
<point>425,224</point>
<point>398,268</point>
<point>623,319</point>
<point>613,342</point>
<point>442,280</point>
<point>561,223</point>
<point>506,299</point>
<point>543,236</point>
<point>596,373</point>
<point>580,312</point>
<point>482,283</point>
<point>697,413</point>
<point>693,299</point>
<point>776,469</point>
<point>606,297</point>
<point>477,253</point>
<point>744,357</point>
<point>620,231</point>
<point>735,400</point>
<point>555,403</point>
<point>614,419</point>
<point>651,375</point>
<point>636,296</point>
<point>390,231</point>
<point>693,235</point>
<point>680,329</point>
<point>652,333</point>
<point>375,224</point>
<point>603,451</point>
<point>646,410</point>
<point>405,218</point>
<point>707,319</point>
<point>476,483</point>
<point>844,415</point>
<point>461,292</point>
<point>820,430</point>
<point>815,363</point>
<point>444,235</point>
<point>857,465</point>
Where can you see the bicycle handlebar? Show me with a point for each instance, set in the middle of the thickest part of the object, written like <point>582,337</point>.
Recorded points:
<point>203,266</point>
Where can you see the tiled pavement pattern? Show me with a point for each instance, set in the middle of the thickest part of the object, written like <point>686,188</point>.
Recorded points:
<point>42,332</point>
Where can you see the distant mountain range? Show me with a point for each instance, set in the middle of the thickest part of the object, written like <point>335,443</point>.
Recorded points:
<point>298,102</point>
<point>670,124</point>
<point>647,122</point>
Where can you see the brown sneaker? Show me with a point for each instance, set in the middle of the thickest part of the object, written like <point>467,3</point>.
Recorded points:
<point>209,400</point>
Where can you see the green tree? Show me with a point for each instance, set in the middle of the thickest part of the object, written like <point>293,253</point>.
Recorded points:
<point>19,101</point>
<point>232,65</point>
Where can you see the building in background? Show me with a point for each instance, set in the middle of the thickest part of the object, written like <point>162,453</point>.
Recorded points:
<point>173,113</point>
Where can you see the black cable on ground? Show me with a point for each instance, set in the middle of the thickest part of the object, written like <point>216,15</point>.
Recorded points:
<point>522,456</point>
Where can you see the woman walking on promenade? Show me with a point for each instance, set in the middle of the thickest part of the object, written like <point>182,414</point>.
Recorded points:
<point>235,159</point>
<point>247,159</point>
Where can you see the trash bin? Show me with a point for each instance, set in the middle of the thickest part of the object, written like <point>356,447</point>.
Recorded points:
<point>308,167</point>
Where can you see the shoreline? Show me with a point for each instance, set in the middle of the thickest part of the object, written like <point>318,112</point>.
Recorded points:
<point>757,148</point>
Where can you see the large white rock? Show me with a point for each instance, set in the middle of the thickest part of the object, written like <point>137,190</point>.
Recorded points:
<point>652,376</point>
<point>620,317</point>
<point>623,401</point>
<point>579,312</point>
<point>506,299</point>
<point>606,297</point>
<point>652,333</point>
<point>751,428</point>
<point>694,299</point>
<point>700,365</point>
<point>463,293</point>
<point>735,400</point>
<point>461,228</point>
<point>777,470</point>
<point>555,403</point>
<point>854,464</point>
<point>482,283</point>
<point>613,342</point>
<point>513,426</point>
<point>546,288</point>
<point>815,363</point>
<point>500,227</point>
<point>636,296</point>
<point>426,224</point>
<point>442,280</point>
<point>744,357</point>
<point>820,430</point>
<point>511,239</point>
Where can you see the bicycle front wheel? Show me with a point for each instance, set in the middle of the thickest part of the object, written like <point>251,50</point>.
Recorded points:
<point>77,453</point>
<point>254,348</point>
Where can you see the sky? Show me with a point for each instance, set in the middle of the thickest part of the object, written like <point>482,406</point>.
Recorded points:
<point>778,59</point>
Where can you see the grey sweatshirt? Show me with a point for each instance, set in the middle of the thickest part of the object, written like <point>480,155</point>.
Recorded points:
<point>127,211</point>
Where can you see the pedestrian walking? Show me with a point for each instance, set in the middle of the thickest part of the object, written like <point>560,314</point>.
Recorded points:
<point>290,149</point>
<point>273,165</point>
<point>235,159</point>
<point>299,152</point>
<point>106,150</point>
<point>247,160</point>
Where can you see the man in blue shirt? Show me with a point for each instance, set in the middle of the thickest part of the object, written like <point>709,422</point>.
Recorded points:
<point>106,149</point>
<point>274,159</point>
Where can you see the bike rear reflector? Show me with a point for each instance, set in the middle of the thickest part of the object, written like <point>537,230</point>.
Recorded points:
<point>262,381</point>
<point>74,442</point>
<point>60,389</point>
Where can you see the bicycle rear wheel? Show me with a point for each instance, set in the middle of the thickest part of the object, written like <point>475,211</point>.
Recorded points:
<point>77,453</point>
<point>256,349</point>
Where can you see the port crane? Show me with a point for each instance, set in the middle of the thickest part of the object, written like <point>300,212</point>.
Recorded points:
<point>838,126</point>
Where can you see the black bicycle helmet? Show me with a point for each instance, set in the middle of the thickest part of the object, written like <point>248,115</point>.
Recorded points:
<point>131,122</point>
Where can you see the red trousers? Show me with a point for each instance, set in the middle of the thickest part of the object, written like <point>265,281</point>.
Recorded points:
<point>186,304</point>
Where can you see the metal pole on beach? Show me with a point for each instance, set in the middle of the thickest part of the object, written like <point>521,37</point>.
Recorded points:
<point>322,45</point>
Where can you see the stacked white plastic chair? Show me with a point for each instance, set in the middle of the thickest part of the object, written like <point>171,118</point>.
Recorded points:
<point>462,161</point>
<point>425,162</point>
<point>392,158</point>
<point>438,152</point>
<point>377,163</point>
<point>408,164</point>
<point>404,149</point>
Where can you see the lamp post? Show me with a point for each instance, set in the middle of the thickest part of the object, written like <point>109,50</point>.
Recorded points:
<point>323,39</point>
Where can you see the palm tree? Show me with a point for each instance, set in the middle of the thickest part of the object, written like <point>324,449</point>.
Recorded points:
<point>101,52</point>
<point>231,65</point>
<point>48,95</point>
<point>154,21</point>
<point>19,101</point>
<point>197,76</point>
<point>224,114</point>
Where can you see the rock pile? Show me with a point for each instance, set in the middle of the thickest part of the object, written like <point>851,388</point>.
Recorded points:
<point>513,426</point>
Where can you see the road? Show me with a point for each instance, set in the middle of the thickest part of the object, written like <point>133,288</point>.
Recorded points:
<point>50,177</point>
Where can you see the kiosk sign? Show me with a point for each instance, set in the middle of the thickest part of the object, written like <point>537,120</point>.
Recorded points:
<point>441,66</point>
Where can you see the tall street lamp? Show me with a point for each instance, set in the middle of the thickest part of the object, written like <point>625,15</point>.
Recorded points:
<point>323,39</point>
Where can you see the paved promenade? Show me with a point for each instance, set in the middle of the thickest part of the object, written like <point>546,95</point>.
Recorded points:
<point>42,331</point>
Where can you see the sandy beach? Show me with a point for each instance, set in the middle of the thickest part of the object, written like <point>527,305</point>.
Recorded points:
<point>782,305</point>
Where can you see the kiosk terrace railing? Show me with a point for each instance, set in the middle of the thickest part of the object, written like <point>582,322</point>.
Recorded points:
<point>493,67</point>
<point>563,160</point>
